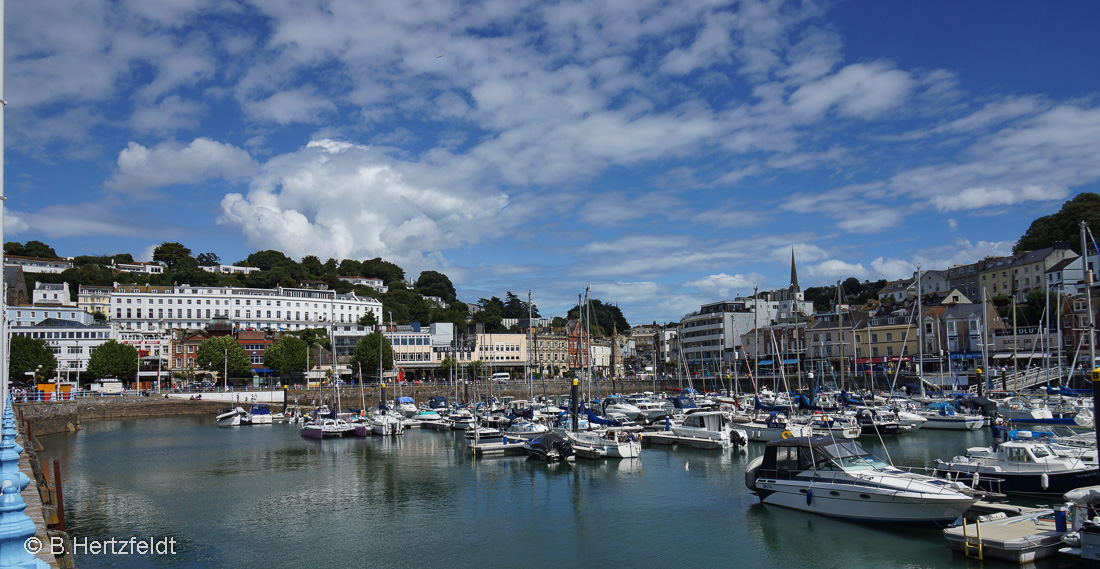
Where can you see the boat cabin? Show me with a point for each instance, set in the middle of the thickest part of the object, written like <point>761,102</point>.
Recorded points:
<point>437,402</point>
<point>715,421</point>
<point>786,457</point>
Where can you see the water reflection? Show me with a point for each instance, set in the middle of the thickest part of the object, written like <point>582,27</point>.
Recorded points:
<point>268,497</point>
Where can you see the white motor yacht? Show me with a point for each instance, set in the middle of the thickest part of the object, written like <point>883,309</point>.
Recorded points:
<point>838,478</point>
<point>711,425</point>
<point>1024,467</point>
<point>405,405</point>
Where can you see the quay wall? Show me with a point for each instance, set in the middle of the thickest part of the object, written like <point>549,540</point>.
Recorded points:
<point>65,416</point>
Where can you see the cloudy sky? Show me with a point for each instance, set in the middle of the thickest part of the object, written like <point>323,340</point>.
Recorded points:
<point>668,153</point>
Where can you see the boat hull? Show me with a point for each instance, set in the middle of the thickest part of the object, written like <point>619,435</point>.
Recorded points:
<point>1055,483</point>
<point>954,423</point>
<point>859,504</point>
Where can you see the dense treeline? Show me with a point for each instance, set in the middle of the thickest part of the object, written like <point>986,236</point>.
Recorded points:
<point>1065,225</point>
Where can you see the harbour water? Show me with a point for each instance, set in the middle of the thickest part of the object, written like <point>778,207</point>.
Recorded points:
<point>263,496</point>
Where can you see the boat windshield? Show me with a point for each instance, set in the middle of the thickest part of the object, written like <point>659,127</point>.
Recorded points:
<point>1040,452</point>
<point>849,456</point>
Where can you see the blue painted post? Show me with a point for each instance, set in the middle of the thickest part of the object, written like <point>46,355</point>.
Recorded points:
<point>16,527</point>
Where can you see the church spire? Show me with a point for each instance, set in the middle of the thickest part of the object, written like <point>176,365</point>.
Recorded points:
<point>794,274</point>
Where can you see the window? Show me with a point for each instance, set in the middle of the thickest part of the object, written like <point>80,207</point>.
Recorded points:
<point>889,337</point>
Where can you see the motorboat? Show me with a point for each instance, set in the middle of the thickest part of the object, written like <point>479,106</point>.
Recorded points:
<point>230,417</point>
<point>711,425</point>
<point>649,410</point>
<point>834,425</point>
<point>326,427</point>
<point>524,429</point>
<point>1023,409</point>
<point>404,405</point>
<point>838,478</point>
<point>874,422</point>
<point>258,414</point>
<point>775,427</point>
<point>945,416</point>
<point>423,415</point>
<point>549,447</point>
<point>617,404</point>
<point>387,423</point>
<point>1023,467</point>
<point>482,432</point>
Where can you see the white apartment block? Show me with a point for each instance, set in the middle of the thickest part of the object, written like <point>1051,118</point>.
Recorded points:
<point>137,307</point>
<point>52,294</point>
<point>229,269</point>
<point>140,268</point>
<point>38,264</point>
<point>374,283</point>
<point>31,315</point>
<point>72,344</point>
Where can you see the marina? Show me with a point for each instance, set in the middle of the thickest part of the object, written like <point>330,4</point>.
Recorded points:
<point>158,476</point>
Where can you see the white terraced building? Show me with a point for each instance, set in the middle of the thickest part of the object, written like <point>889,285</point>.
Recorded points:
<point>138,307</point>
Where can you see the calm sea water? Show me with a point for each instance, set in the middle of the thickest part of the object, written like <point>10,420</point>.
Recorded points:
<point>265,497</point>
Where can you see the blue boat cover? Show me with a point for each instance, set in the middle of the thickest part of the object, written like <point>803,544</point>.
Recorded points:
<point>593,418</point>
<point>405,400</point>
<point>805,405</point>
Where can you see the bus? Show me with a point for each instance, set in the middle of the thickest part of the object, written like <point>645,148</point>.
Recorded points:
<point>502,376</point>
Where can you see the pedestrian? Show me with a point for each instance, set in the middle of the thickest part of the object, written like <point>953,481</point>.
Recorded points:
<point>998,430</point>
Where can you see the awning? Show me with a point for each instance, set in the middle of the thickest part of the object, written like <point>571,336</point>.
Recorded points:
<point>790,361</point>
<point>901,358</point>
<point>765,362</point>
<point>1002,355</point>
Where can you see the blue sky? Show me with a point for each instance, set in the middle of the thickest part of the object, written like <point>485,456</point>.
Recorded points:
<point>668,154</point>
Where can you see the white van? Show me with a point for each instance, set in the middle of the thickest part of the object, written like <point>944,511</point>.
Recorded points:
<point>502,376</point>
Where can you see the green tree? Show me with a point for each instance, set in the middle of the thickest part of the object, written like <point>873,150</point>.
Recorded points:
<point>604,316</point>
<point>390,273</point>
<point>212,353</point>
<point>266,259</point>
<point>170,254</point>
<point>288,355</point>
<point>434,283</point>
<point>312,266</point>
<point>365,355</point>
<point>490,315</point>
<point>208,259</point>
<point>26,355</point>
<point>514,307</point>
<point>112,359</point>
<point>367,319</point>
<point>1065,225</point>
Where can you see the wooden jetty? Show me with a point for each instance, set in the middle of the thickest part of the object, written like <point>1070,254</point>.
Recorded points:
<point>506,446</point>
<point>1013,533</point>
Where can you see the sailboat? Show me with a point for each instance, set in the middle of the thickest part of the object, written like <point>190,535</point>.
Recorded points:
<point>591,444</point>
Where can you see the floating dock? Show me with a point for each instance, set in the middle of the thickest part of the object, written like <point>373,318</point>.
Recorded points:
<point>668,438</point>
<point>1011,533</point>
<point>506,446</point>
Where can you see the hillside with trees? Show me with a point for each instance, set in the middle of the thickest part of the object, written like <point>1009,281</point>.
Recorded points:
<point>1065,225</point>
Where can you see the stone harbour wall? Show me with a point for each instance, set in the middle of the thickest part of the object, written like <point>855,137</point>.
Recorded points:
<point>65,416</point>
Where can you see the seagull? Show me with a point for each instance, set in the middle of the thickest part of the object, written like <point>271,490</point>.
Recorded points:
<point>438,56</point>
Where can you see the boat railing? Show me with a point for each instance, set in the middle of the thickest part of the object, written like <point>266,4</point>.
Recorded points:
<point>974,480</point>
<point>897,484</point>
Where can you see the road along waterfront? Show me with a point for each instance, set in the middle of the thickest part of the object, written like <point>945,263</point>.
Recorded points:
<point>265,496</point>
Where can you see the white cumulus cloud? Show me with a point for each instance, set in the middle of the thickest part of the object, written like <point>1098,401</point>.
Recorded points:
<point>343,200</point>
<point>168,163</point>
